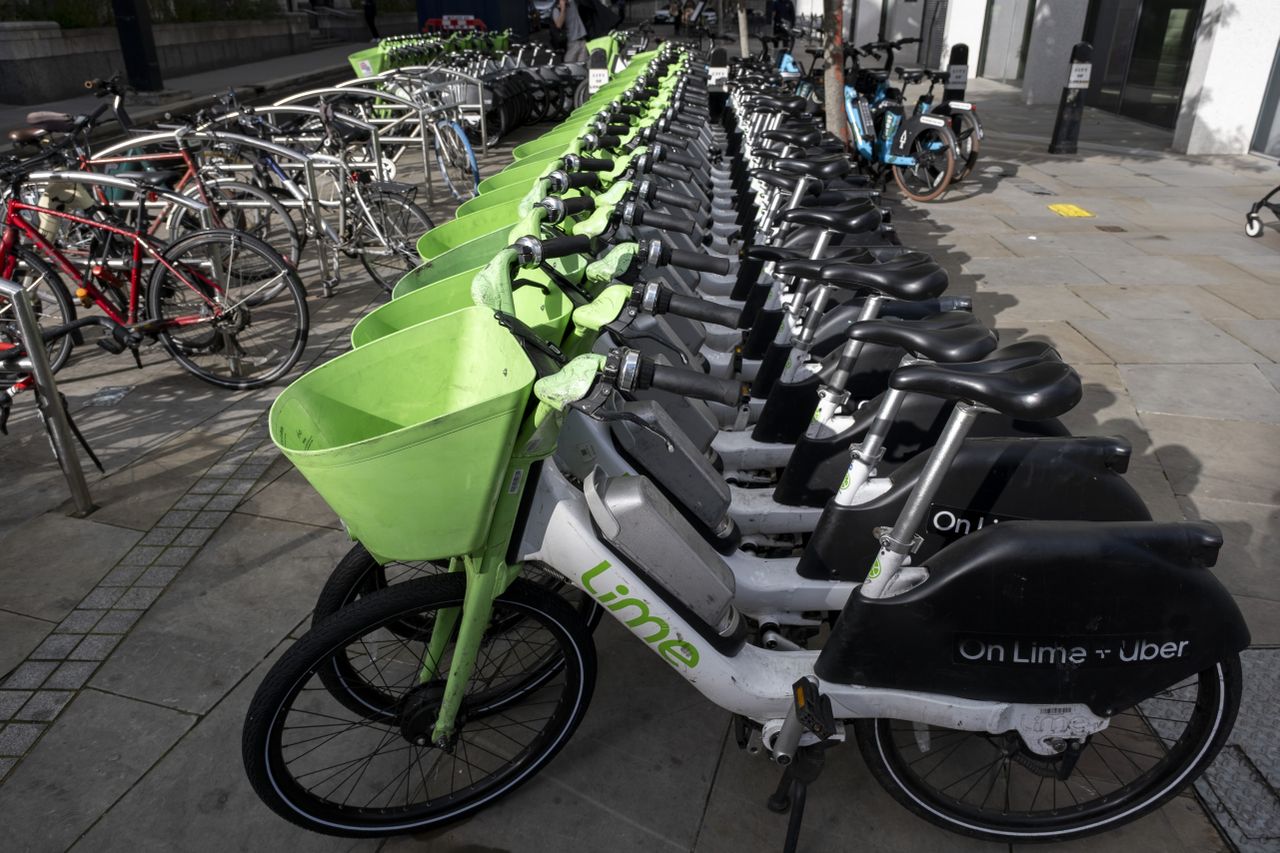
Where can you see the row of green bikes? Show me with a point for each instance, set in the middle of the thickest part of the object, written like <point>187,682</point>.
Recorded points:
<point>673,365</point>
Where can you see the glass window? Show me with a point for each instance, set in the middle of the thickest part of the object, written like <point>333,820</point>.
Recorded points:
<point>1266,139</point>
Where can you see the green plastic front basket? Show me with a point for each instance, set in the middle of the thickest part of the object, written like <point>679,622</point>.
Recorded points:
<point>367,63</point>
<point>407,438</point>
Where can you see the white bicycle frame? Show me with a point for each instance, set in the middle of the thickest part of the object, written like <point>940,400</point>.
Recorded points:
<point>754,683</point>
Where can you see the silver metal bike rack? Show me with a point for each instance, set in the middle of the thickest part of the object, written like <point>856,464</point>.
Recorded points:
<point>49,401</point>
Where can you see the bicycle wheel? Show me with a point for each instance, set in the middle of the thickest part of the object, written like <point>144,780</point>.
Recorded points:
<point>968,143</point>
<point>217,314</point>
<point>386,239</point>
<point>325,767</point>
<point>935,164</point>
<point>992,787</point>
<point>244,207</point>
<point>457,161</point>
<point>50,302</point>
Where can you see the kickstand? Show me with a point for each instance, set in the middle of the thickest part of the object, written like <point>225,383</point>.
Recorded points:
<point>793,788</point>
<point>75,430</point>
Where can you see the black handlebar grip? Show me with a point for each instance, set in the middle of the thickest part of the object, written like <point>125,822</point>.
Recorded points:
<point>663,221</point>
<point>688,383</point>
<point>574,206</point>
<point>606,140</point>
<point>673,172</point>
<point>676,199</point>
<point>629,109</point>
<point>668,139</point>
<point>588,164</point>
<point>704,310</point>
<point>559,247</point>
<point>679,129</point>
<point>697,261</point>
<point>575,180</point>
<point>679,158</point>
<point>615,129</point>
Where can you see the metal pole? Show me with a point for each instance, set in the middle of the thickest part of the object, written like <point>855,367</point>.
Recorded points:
<point>49,400</point>
<point>1066,128</point>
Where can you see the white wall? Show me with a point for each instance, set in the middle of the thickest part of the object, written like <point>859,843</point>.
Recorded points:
<point>965,20</point>
<point>1056,27</point>
<point>868,21</point>
<point>1234,49</point>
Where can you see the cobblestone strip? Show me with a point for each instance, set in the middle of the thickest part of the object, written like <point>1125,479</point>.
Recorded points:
<point>36,692</point>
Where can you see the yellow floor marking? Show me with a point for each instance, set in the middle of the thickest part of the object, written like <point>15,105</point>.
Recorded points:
<point>1069,210</point>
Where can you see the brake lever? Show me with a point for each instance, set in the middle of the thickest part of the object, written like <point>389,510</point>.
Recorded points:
<point>593,404</point>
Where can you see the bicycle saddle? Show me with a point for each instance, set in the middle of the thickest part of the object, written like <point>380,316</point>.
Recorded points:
<point>855,218</point>
<point>910,75</point>
<point>827,167</point>
<point>803,138</point>
<point>776,179</point>
<point>27,135</point>
<point>914,282</point>
<point>1035,391</point>
<point>798,263</point>
<point>792,106</point>
<point>51,121</point>
<point>164,177</point>
<point>949,337</point>
<point>851,254</point>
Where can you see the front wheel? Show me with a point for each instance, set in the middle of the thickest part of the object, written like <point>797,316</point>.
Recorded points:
<point>928,177</point>
<point>387,237</point>
<point>457,161</point>
<point>1253,226</point>
<point>993,787</point>
<point>49,299</point>
<point>228,308</point>
<point>324,766</point>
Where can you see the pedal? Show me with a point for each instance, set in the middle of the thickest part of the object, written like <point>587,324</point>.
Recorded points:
<point>814,709</point>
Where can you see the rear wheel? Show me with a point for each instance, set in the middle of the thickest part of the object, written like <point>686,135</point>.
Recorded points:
<point>993,787</point>
<point>968,143</point>
<point>322,765</point>
<point>386,238</point>
<point>935,164</point>
<point>50,302</point>
<point>228,308</point>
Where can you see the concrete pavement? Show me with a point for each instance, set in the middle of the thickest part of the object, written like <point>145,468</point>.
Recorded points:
<point>134,638</point>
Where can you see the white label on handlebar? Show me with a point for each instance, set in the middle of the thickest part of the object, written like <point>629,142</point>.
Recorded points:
<point>957,76</point>
<point>717,74</point>
<point>596,78</point>
<point>961,105</point>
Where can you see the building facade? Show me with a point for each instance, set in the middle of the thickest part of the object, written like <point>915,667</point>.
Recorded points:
<point>1207,70</point>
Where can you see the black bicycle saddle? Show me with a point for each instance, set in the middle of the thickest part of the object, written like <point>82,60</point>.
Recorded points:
<point>949,337</point>
<point>1036,391</point>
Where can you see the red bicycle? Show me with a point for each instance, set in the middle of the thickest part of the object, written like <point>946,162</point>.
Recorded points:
<point>224,304</point>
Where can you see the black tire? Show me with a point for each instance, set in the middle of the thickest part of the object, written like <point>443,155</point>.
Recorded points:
<point>243,207</point>
<point>49,300</point>
<point>935,166</point>
<point>456,160</point>
<point>261,336</point>
<point>896,760</point>
<point>401,223</point>
<point>968,143</point>
<point>392,730</point>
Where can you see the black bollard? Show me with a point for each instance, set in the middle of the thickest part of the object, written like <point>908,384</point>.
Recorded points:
<point>1066,130</point>
<point>958,71</point>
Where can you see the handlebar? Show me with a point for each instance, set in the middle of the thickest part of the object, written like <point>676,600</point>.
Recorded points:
<point>687,383</point>
<point>702,310</point>
<point>635,215</point>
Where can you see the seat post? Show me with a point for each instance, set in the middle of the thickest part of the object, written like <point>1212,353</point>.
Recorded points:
<point>897,545</point>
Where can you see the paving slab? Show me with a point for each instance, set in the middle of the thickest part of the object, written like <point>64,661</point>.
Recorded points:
<point>1074,347</point>
<point>1229,244</point>
<point>1246,563</point>
<point>196,798</point>
<point>1157,302</point>
<point>1229,460</point>
<point>1261,299</point>
<point>1236,392</point>
<point>291,498</point>
<point>999,272</point>
<point>21,635</point>
<point>1172,268</point>
<point>1062,244</point>
<point>104,745</point>
<point>1261,335</point>
<point>250,584</point>
<point>1107,409</point>
<point>1262,615</point>
<point>1007,304</point>
<point>1134,341</point>
<point>51,562</point>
